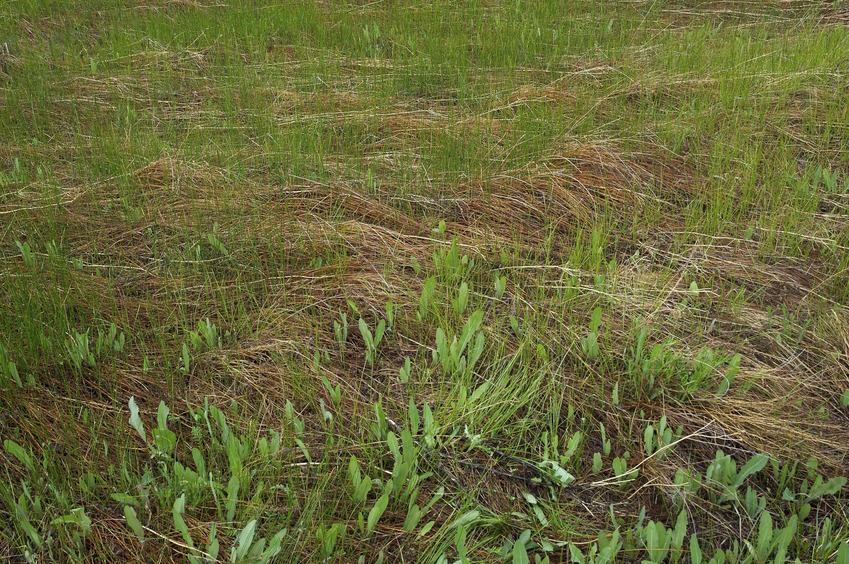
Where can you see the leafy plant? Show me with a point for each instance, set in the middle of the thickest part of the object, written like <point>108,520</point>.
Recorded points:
<point>461,302</point>
<point>724,474</point>
<point>657,439</point>
<point>26,253</point>
<point>390,316</point>
<point>500,286</point>
<point>328,538</point>
<point>8,370</point>
<point>110,341</point>
<point>589,344</point>
<point>620,470</point>
<point>76,517</point>
<point>730,373</point>
<point>376,512</point>
<point>258,551</point>
<point>340,330</point>
<point>15,176</point>
<point>602,551</point>
<point>372,341</point>
<point>207,336</point>
<point>361,485</point>
<point>426,299</point>
<point>79,351</point>
<point>456,356</point>
<point>405,371</point>
<point>453,268</point>
<point>215,241</point>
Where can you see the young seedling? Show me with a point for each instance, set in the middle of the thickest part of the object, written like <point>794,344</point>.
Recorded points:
<point>427,298</point>
<point>372,341</point>
<point>589,344</point>
<point>462,300</point>
<point>730,372</point>
<point>78,350</point>
<point>26,253</point>
<point>215,241</point>
<point>453,356</point>
<point>8,370</point>
<point>390,316</point>
<point>340,330</point>
<point>405,371</point>
<point>500,286</point>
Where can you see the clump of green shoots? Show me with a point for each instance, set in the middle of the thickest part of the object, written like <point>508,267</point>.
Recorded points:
<point>26,253</point>
<point>589,344</point>
<point>372,340</point>
<point>452,355</point>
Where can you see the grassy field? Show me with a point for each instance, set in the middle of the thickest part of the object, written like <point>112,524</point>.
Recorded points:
<point>396,281</point>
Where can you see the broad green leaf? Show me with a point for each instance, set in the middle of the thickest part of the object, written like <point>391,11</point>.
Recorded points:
<point>133,522</point>
<point>679,532</point>
<point>576,554</point>
<point>764,542</point>
<point>648,439</point>
<point>524,537</point>
<point>695,550</point>
<point>274,546</point>
<point>243,543</point>
<point>785,538</point>
<point>124,499</point>
<point>256,550</point>
<point>830,487</point>
<point>304,450</point>
<point>559,474</point>
<point>723,387</point>
<point>23,521</point>
<point>162,415</point>
<point>200,465</point>
<point>180,523</point>
<point>212,546</point>
<point>413,415</point>
<point>232,498</point>
<point>597,462</point>
<point>427,527</point>
<point>755,464</point>
<point>414,514</point>
<point>378,334</point>
<point>355,474</point>
<point>465,519</point>
<point>652,541</point>
<point>477,350</point>
<point>843,553</point>
<point>595,322</point>
<point>540,515</point>
<point>366,333</point>
<point>18,452</point>
<point>694,287</point>
<point>472,325</point>
<point>376,512</point>
<point>164,440</point>
<point>135,420</point>
<point>427,416</point>
<point>77,517</point>
<point>479,392</point>
<point>436,497</point>
<point>520,553</point>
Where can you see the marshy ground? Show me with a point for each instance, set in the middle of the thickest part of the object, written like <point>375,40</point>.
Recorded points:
<point>424,281</point>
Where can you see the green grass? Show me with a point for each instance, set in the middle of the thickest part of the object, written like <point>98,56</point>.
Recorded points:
<point>406,281</point>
